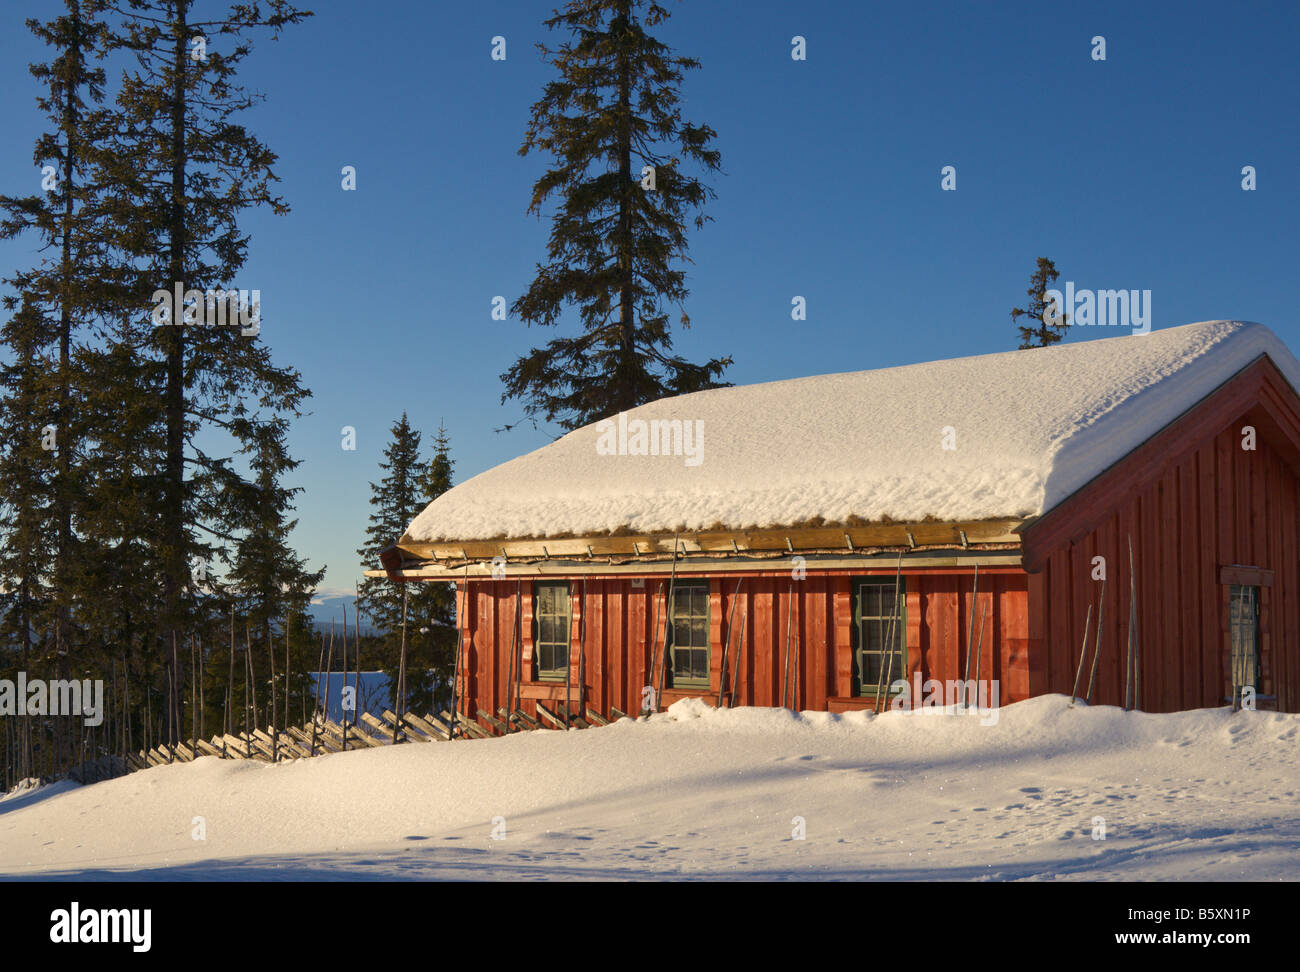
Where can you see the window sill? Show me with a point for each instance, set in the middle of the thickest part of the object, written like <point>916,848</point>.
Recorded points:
<point>546,690</point>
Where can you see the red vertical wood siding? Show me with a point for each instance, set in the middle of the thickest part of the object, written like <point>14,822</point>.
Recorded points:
<point>611,632</point>
<point>1215,505</point>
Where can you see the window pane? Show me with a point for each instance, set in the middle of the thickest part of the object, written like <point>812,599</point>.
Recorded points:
<point>551,614</point>
<point>880,641</point>
<point>682,662</point>
<point>699,633</point>
<point>1243,626</point>
<point>690,631</point>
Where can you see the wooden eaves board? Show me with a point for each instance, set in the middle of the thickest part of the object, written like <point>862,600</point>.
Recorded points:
<point>412,559</point>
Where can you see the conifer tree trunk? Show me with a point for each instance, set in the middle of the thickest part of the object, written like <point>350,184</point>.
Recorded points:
<point>63,453</point>
<point>173,499</point>
<point>626,383</point>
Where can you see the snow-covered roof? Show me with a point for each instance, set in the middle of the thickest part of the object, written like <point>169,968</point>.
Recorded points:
<point>1027,429</point>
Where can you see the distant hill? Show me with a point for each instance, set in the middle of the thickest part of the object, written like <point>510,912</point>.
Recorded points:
<point>330,608</point>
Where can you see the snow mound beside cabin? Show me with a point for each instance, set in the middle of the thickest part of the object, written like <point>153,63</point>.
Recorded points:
<point>1031,428</point>
<point>704,793</point>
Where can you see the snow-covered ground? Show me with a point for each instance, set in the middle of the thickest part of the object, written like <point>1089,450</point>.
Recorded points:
<point>698,793</point>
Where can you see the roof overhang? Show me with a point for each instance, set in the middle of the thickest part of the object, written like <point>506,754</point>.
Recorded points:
<point>706,550</point>
<point>1259,391</point>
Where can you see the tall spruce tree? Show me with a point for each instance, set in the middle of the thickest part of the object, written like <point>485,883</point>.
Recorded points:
<point>184,170</point>
<point>1047,325</point>
<point>612,121</point>
<point>168,443</point>
<point>119,600</point>
<point>436,602</point>
<point>407,488</point>
<point>59,297</point>
<point>25,522</point>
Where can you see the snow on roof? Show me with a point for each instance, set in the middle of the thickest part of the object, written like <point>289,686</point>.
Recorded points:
<point>1028,429</point>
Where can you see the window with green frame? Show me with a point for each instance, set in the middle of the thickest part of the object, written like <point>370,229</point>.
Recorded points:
<point>551,630</point>
<point>1243,628</point>
<point>875,619</point>
<point>688,635</point>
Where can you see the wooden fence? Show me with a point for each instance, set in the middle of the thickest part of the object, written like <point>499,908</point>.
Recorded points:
<point>327,736</point>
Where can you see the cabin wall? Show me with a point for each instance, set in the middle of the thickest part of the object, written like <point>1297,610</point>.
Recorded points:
<point>1216,506</point>
<point>613,616</point>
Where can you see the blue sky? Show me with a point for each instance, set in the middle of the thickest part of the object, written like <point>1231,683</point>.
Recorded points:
<point>1126,172</point>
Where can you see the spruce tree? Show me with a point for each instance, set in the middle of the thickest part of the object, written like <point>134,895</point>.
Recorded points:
<point>169,447</point>
<point>1043,328</point>
<point>436,603</point>
<point>60,298</point>
<point>270,584</point>
<point>407,488</point>
<point>184,170</point>
<point>25,524</point>
<point>612,121</point>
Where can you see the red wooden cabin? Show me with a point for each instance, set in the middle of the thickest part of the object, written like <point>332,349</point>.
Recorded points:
<point>1197,466</point>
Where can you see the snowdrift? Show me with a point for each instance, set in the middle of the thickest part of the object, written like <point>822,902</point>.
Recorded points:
<point>1050,791</point>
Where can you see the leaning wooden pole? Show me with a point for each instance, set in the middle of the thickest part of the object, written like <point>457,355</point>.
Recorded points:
<point>797,611</point>
<point>203,705</point>
<point>970,634</point>
<point>126,701</point>
<point>1137,644</point>
<point>726,649</point>
<point>785,668</point>
<point>175,697</point>
<point>463,598</point>
<point>568,668</point>
<point>356,662</point>
<point>979,652</point>
<point>1101,610</point>
<point>171,710</point>
<point>194,692</point>
<point>581,658</point>
<point>669,610</point>
<point>654,635</point>
<point>1129,664</point>
<point>892,638</point>
<point>510,664</point>
<point>288,619</point>
<point>117,731</point>
<point>343,691</point>
<point>230,681</point>
<point>247,712</point>
<point>880,677</point>
<point>1083,653</point>
<point>329,672</point>
<point>519,665</point>
<point>315,703</point>
<point>275,711</point>
<point>252,673</point>
<point>401,669</point>
<point>740,654</point>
